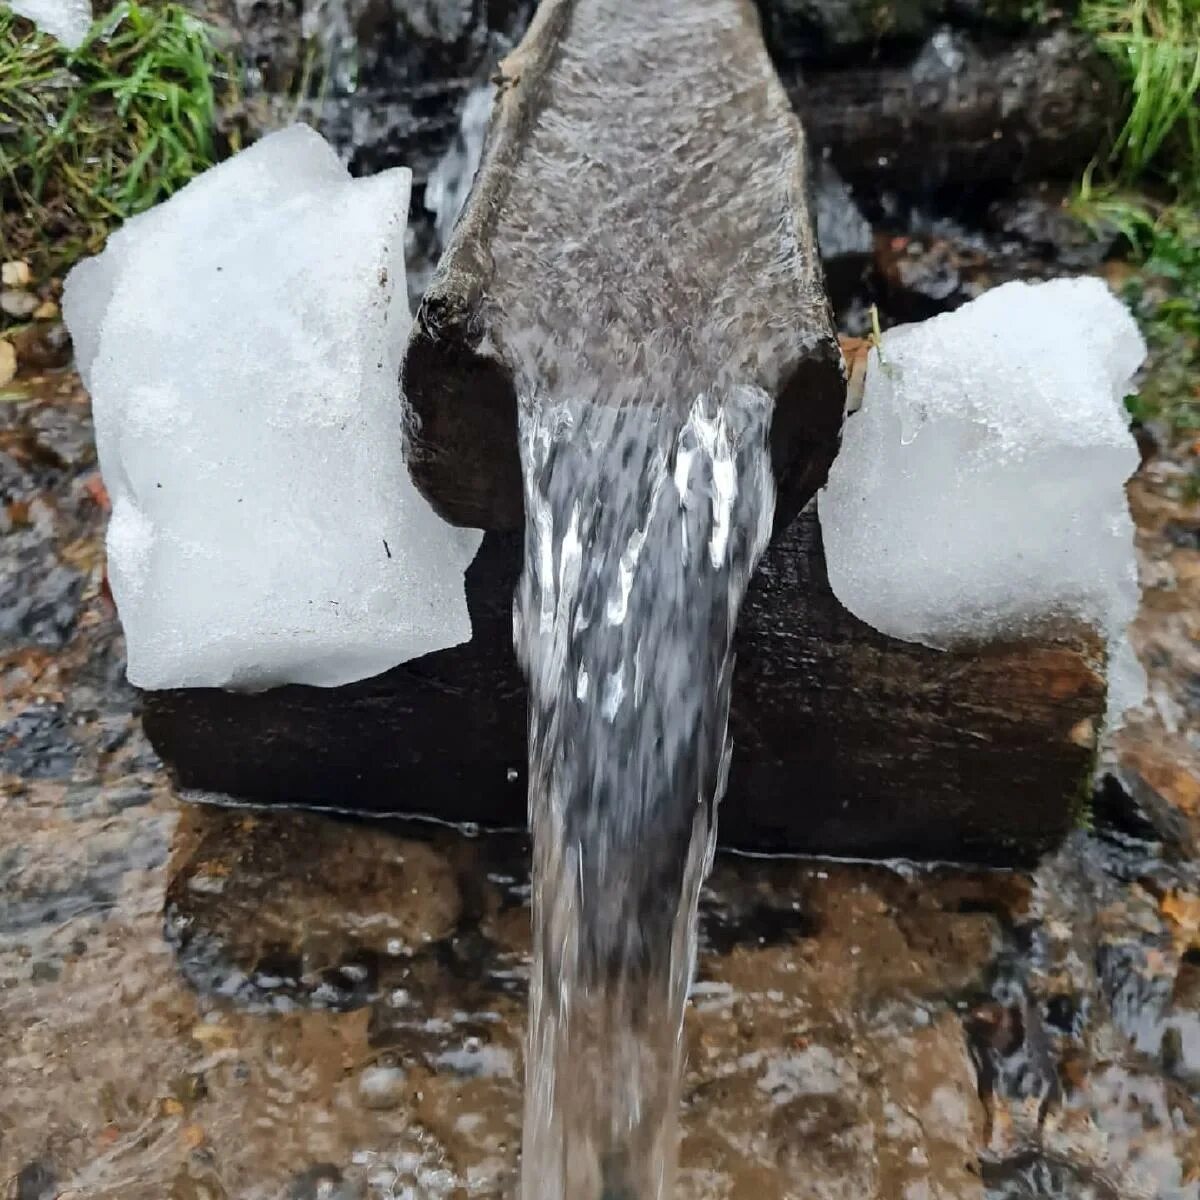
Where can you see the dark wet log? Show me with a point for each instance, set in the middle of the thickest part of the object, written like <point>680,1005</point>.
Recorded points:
<point>960,115</point>
<point>883,747</point>
<point>846,741</point>
<point>824,32</point>
<point>458,374</point>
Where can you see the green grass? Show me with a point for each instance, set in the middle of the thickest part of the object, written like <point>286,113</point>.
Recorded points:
<point>1164,294</point>
<point>1151,193</point>
<point>1155,45</point>
<point>96,135</point>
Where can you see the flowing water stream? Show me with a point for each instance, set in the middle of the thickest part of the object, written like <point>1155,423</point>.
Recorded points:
<point>644,521</point>
<point>645,368</point>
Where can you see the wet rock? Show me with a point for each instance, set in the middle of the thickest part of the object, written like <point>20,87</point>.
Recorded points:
<point>925,265</point>
<point>398,70</point>
<point>383,1087</point>
<point>1031,1175</point>
<point>35,1180</point>
<point>39,601</point>
<point>18,304</point>
<point>461,365</point>
<point>1039,218</point>
<point>844,236</point>
<point>809,31</point>
<point>44,345</point>
<point>271,41</point>
<point>37,744</point>
<point>1126,803</point>
<point>292,908</point>
<point>325,1182</point>
<point>821,31</point>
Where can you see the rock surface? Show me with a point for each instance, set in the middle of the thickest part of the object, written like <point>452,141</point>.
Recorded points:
<point>960,115</point>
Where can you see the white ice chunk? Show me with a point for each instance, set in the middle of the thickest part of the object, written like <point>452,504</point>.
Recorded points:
<point>242,345</point>
<point>66,20</point>
<point>979,490</point>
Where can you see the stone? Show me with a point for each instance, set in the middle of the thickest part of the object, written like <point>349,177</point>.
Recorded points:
<point>844,235</point>
<point>42,345</point>
<point>383,1087</point>
<point>18,304</point>
<point>8,362</point>
<point>397,74</point>
<point>46,311</point>
<point>15,274</point>
<point>980,112</point>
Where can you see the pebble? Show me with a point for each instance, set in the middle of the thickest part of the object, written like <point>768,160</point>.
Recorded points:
<point>44,345</point>
<point>46,311</point>
<point>18,304</point>
<point>382,1087</point>
<point>8,362</point>
<point>15,274</point>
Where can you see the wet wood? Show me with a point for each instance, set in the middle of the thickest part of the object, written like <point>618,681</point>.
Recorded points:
<point>845,741</point>
<point>962,114</point>
<point>458,375</point>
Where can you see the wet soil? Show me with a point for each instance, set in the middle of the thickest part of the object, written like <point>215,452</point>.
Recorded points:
<point>201,1003</point>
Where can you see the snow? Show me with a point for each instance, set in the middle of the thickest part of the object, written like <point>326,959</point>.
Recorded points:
<point>242,345</point>
<point>979,491</point>
<point>66,20</point>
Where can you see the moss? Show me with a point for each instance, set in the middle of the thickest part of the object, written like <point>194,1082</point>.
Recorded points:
<point>1083,802</point>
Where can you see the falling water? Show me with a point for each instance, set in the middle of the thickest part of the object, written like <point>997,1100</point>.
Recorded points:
<point>644,522</point>
<point>450,180</point>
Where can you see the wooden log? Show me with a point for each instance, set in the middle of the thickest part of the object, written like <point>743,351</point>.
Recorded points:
<point>961,115</point>
<point>845,741</point>
<point>717,244</point>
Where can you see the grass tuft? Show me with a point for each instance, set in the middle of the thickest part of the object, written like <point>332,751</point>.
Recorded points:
<point>1164,294</point>
<point>91,137</point>
<point>1156,47</point>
